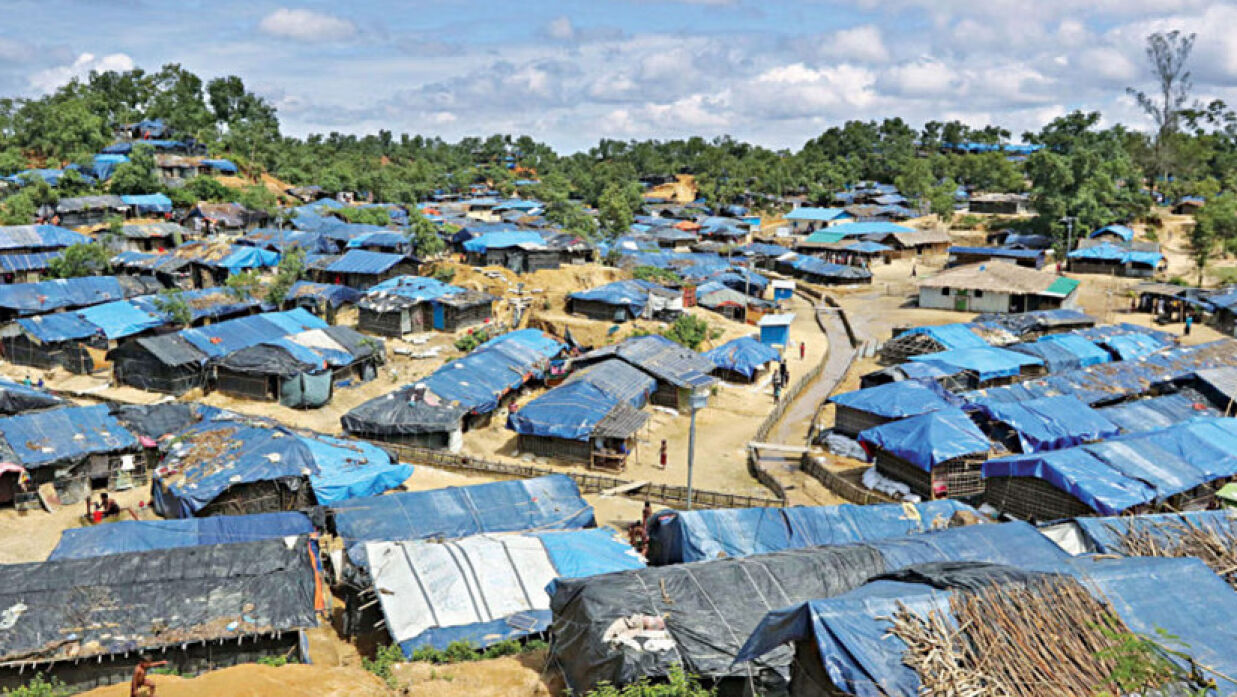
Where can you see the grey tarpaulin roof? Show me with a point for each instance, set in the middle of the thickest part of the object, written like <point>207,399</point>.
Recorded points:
<point>621,421</point>
<point>116,604</point>
<point>171,349</point>
<point>397,414</point>
<point>661,358</point>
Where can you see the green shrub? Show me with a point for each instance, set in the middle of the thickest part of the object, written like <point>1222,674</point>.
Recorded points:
<point>968,222</point>
<point>678,684</point>
<point>382,663</point>
<point>472,340</point>
<point>275,661</point>
<point>39,687</point>
<point>689,331</point>
<point>656,275</point>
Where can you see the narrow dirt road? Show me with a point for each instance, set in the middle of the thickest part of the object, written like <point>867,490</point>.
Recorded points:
<point>793,427</point>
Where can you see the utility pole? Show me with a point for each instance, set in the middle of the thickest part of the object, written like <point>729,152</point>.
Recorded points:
<point>699,398</point>
<point>1069,239</point>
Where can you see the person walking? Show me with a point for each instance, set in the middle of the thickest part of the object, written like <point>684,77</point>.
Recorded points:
<point>802,349</point>
<point>662,455</point>
<point>1189,320</point>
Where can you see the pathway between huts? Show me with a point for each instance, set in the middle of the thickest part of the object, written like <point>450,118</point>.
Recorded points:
<point>792,429</point>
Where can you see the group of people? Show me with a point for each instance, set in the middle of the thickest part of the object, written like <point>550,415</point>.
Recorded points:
<point>781,378</point>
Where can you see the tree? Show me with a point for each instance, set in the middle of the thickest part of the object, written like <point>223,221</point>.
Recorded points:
<point>1168,53</point>
<point>137,176</point>
<point>426,242</point>
<point>941,199</point>
<point>291,269</point>
<point>916,178</point>
<point>689,331</point>
<point>171,302</point>
<point>1215,224</point>
<point>372,215</point>
<point>614,211</point>
<point>18,209</point>
<point>244,285</point>
<point>81,259</point>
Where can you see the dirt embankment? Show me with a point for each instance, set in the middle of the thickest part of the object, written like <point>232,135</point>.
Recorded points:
<point>253,680</point>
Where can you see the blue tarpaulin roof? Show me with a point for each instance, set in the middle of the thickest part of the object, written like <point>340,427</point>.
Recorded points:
<point>1156,412</point>
<point>337,469</point>
<point>129,536</point>
<point>1114,475</point>
<point>220,165</point>
<point>38,237</point>
<point>632,294</point>
<point>929,439</point>
<point>1051,423</point>
<point>617,380</point>
<point>34,261</point>
<point>744,355</point>
<point>203,303</point>
<point>362,261</point>
<point>1063,352</point>
<point>245,257</point>
<point>1000,252</point>
<point>951,336</point>
<point>861,657</point>
<point>988,362</point>
<point>688,536</point>
<point>57,326</point>
<point>417,288</point>
<point>816,266</point>
<point>1104,535</point>
<point>232,335</point>
<point>543,503</point>
<point>332,294</point>
<point>868,228</point>
<point>69,433</point>
<point>1121,231</point>
<point>571,412</point>
<point>503,240</point>
<point>121,318</point>
<point>45,296</point>
<point>895,400</point>
<point>1130,346</point>
<point>817,214</point>
<point>149,203</point>
<point>477,381</point>
<point>387,239</point>
<point>105,165</point>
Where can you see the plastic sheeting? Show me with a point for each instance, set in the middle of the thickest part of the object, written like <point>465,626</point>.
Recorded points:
<point>1051,423</point>
<point>483,588</point>
<point>1103,535</point>
<point>503,240</point>
<point>570,412</point>
<point>148,203</point>
<point>235,334</point>
<point>744,355</point>
<point>1156,412</point>
<point>988,362</point>
<point>950,336</point>
<point>1114,475</point>
<point>120,319</point>
<point>361,261</point>
<point>687,536</point>
<point>64,435</point>
<point>860,656</point>
<point>16,398</point>
<point>157,599</point>
<point>1064,352</point>
<point>895,400</point>
<point>929,439</point>
<point>329,293</point>
<point>56,327</point>
<point>201,469</point>
<point>543,503</point>
<point>710,608</point>
<point>128,536</point>
<point>45,296</point>
<point>632,295</point>
<point>38,237</point>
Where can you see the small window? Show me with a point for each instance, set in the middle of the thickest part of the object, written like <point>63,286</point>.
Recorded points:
<point>944,291</point>
<point>979,294</point>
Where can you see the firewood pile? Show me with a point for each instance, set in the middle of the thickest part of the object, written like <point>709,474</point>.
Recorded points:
<point>1215,545</point>
<point>1048,638</point>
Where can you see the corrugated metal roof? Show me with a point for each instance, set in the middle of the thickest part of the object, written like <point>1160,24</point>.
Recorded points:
<point>365,262</point>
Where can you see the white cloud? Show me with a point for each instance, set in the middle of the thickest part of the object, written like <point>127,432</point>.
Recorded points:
<point>864,44</point>
<point>306,25</point>
<point>924,77</point>
<point>561,28</point>
<point>51,78</point>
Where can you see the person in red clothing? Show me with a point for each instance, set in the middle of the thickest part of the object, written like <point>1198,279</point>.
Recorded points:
<point>663,454</point>
<point>802,349</point>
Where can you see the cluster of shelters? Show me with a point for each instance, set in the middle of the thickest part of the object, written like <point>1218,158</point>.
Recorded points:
<point>414,304</point>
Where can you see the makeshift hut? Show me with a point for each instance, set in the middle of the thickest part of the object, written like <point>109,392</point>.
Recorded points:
<point>300,370</point>
<point>150,237</point>
<point>75,448</point>
<point>621,301</point>
<point>741,360</point>
<point>322,299</point>
<point>939,454</point>
<point>821,272</point>
<point>24,299</point>
<point>679,371</point>
<point>89,210</point>
<point>414,304</point>
<point>82,621</point>
<point>1115,259</point>
<point>1177,467</point>
<point>983,367</point>
<point>677,537</point>
<point>167,270</point>
<point>232,467</point>
<point>1030,258</point>
<point>1113,233</point>
<point>593,417</point>
<point>1047,423</point>
<point>868,407</point>
<point>362,269</point>
<point>995,286</point>
<point>1061,352</point>
<point>420,584</point>
<point>621,627</point>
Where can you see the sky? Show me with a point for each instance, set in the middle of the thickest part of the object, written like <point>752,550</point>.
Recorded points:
<point>773,72</point>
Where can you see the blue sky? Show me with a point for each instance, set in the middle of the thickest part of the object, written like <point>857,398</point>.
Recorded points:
<point>774,72</point>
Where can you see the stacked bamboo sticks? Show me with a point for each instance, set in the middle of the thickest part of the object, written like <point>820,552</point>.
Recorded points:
<point>1215,545</point>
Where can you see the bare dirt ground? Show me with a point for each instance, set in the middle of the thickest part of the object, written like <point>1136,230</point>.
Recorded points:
<point>253,680</point>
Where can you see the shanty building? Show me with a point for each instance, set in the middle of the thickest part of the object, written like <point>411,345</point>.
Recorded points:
<point>859,410</point>
<point>1137,260</point>
<point>26,299</point>
<point>83,621</point>
<point>939,454</point>
<point>168,270</point>
<point>999,204</point>
<point>672,613</point>
<point>680,537</point>
<point>484,588</point>
<point>461,395</point>
<point>1113,234</point>
<point>742,360</point>
<point>300,370</point>
<point>806,219</point>
<point>322,299</point>
<point>415,304</point>
<point>818,271</point>
<point>26,251</point>
<point>1029,258</point>
<point>211,263</point>
<point>679,371</point>
<point>136,536</point>
<point>235,467</point>
<point>77,449</point>
<point>1174,468</point>
<point>908,243</point>
<point>592,418</point>
<point>995,286</point>
<point>362,269</point>
<point>847,645</point>
<point>622,301</point>
<point>521,251</point>
<point>150,237</point>
<point>89,210</point>
<point>225,218</point>
<point>176,363</point>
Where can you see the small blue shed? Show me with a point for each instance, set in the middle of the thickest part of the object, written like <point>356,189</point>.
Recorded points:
<point>783,290</point>
<point>775,329</point>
